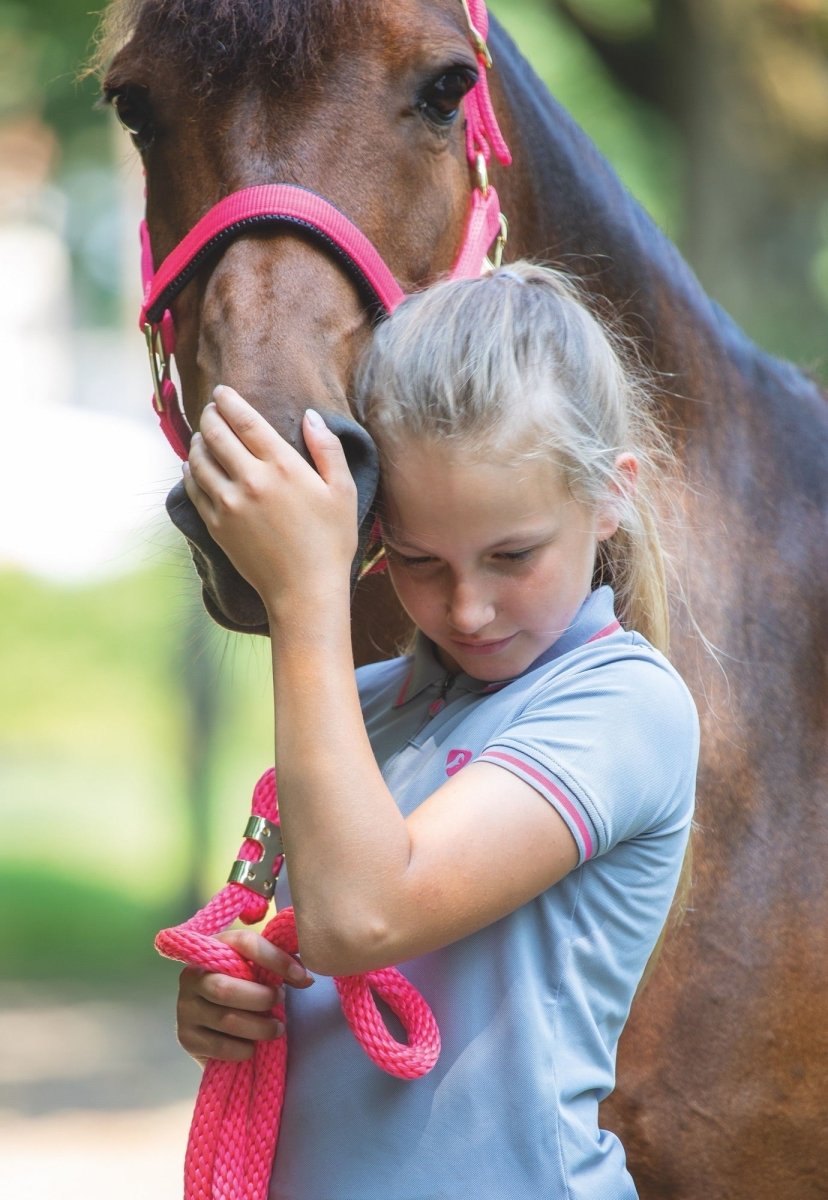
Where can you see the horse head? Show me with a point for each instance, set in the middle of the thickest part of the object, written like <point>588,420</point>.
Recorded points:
<point>358,102</point>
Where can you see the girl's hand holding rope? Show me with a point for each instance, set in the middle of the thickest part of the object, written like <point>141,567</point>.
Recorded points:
<point>222,1017</point>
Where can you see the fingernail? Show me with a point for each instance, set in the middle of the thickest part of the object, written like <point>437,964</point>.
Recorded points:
<point>298,974</point>
<point>314,419</point>
<point>280,1029</point>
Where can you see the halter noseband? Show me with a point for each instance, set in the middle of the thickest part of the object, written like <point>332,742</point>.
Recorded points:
<point>289,206</point>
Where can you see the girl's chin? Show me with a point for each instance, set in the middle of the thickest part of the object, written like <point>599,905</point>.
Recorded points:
<point>489,661</point>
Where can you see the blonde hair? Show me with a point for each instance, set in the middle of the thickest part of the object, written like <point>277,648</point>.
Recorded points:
<point>515,363</point>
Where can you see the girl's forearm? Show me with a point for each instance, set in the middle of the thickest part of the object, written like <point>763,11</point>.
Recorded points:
<point>346,843</point>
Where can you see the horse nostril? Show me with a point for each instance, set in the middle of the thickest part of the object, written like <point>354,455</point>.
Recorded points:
<point>361,456</point>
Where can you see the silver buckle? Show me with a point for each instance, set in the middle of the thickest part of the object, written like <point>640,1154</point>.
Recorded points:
<point>258,876</point>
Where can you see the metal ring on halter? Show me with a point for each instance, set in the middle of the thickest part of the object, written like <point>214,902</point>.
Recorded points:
<point>159,363</point>
<point>482,174</point>
<point>500,245</point>
<point>477,39</point>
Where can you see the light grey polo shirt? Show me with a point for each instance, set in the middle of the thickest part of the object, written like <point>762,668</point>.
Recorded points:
<point>530,1009</point>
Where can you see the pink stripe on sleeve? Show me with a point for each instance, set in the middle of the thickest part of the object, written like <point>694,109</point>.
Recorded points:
<point>548,785</point>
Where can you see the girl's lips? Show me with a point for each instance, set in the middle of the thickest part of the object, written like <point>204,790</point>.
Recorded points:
<point>483,647</point>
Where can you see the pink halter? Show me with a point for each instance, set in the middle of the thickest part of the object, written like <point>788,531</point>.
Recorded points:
<point>289,205</point>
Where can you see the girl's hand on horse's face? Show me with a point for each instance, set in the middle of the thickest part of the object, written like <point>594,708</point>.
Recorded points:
<point>285,526</point>
<point>221,1017</point>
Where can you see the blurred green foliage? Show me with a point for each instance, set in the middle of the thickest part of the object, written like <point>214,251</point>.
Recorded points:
<point>97,848</point>
<point>43,44</point>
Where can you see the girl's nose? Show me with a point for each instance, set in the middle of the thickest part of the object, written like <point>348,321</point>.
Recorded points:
<point>469,609</point>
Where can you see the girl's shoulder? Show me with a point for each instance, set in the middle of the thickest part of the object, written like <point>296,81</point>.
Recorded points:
<point>615,728</point>
<point>619,671</point>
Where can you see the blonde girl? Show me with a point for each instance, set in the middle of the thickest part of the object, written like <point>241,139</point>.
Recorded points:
<point>505,810</point>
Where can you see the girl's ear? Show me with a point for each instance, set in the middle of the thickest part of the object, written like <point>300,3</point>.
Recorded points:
<point>622,488</point>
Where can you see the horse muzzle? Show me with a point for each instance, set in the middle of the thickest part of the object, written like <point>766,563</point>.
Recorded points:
<point>228,597</point>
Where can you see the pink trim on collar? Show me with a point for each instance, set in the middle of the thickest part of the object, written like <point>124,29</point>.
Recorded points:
<point>401,695</point>
<point>613,627</point>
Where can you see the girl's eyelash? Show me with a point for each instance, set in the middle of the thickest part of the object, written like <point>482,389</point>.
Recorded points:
<point>414,560</point>
<point>407,560</point>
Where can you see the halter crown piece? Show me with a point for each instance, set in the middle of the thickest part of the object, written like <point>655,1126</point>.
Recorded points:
<point>288,205</point>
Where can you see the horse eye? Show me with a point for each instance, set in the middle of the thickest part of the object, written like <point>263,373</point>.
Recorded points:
<point>132,108</point>
<point>440,100</point>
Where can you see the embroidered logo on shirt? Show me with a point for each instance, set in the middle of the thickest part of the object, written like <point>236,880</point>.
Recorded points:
<point>456,760</point>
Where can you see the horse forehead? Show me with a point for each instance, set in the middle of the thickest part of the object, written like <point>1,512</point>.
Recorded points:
<point>412,27</point>
<point>303,38</point>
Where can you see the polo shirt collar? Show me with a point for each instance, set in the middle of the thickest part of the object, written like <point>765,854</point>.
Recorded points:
<point>594,619</point>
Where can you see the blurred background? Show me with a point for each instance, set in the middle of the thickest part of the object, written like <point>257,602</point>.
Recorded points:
<point>131,731</point>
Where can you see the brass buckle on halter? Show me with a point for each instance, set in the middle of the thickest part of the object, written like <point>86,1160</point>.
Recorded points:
<point>477,38</point>
<point>481,174</point>
<point>500,243</point>
<point>159,364</point>
<point>258,876</point>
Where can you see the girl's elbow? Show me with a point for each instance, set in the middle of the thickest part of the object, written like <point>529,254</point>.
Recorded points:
<point>345,946</point>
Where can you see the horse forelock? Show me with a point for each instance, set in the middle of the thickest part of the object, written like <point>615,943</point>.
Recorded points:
<point>217,40</point>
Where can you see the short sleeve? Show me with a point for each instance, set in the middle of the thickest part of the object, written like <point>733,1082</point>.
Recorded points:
<point>612,746</point>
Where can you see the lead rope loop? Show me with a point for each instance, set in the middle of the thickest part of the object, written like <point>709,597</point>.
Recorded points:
<point>235,1125</point>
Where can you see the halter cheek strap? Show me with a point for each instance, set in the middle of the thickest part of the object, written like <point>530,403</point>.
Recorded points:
<point>289,206</point>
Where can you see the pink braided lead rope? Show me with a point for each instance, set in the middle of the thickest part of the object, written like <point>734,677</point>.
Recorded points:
<point>235,1125</point>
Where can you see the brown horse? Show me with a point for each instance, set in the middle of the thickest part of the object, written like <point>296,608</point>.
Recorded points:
<point>722,1069</point>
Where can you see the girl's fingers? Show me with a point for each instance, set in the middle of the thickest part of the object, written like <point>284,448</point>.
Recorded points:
<point>202,1045</point>
<point>249,426</point>
<point>243,995</point>
<point>222,1017</point>
<point>257,949</point>
<point>219,444</point>
<point>238,1023</point>
<point>223,1034</point>
<point>326,450</point>
<point>192,489</point>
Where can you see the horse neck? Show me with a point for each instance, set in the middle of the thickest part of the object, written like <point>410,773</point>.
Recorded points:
<point>565,201</point>
<point>744,425</point>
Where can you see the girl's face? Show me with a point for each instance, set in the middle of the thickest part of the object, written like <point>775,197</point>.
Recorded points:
<point>490,560</point>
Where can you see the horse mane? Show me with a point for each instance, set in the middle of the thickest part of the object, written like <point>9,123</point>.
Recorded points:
<point>222,39</point>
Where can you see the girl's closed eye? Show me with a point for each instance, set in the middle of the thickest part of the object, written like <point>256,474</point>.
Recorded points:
<point>411,561</point>
<point>516,556</point>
